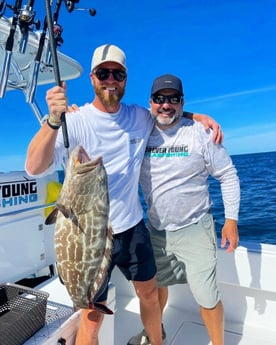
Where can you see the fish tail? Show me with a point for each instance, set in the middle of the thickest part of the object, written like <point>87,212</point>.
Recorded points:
<point>103,309</point>
<point>100,308</point>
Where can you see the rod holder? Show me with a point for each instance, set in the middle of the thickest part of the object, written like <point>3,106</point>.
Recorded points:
<point>5,72</point>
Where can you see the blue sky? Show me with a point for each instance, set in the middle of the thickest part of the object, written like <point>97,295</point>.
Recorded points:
<point>224,52</point>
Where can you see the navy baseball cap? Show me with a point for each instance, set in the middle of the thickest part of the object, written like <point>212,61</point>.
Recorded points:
<point>167,81</point>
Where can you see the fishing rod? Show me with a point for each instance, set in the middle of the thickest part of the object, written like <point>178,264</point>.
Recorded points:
<point>54,40</point>
<point>34,75</point>
<point>25,21</point>
<point>9,46</point>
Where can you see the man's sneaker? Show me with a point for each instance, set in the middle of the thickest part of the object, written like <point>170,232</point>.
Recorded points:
<point>139,339</point>
<point>142,338</point>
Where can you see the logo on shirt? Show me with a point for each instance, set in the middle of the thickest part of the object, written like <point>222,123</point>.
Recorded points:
<point>171,151</point>
<point>135,141</point>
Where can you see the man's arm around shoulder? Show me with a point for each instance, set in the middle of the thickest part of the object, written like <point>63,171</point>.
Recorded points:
<point>207,122</point>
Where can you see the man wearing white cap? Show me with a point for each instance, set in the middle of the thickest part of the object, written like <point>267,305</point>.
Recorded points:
<point>119,133</point>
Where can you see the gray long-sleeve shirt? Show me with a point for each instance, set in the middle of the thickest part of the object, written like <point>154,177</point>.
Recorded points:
<point>174,176</point>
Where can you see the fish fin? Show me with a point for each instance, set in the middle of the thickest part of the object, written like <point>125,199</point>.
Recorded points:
<point>75,220</point>
<point>60,279</point>
<point>52,217</point>
<point>109,227</point>
<point>67,213</point>
<point>70,214</point>
<point>102,308</point>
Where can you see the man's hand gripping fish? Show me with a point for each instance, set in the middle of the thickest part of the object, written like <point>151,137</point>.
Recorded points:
<point>83,235</point>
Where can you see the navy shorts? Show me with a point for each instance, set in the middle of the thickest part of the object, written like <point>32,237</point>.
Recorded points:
<point>132,253</point>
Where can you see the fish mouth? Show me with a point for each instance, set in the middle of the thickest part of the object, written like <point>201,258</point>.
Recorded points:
<point>83,163</point>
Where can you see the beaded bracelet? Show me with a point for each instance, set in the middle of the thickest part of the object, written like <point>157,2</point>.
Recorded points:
<point>53,124</point>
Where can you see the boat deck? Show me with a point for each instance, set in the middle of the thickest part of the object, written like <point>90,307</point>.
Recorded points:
<point>187,328</point>
<point>182,326</point>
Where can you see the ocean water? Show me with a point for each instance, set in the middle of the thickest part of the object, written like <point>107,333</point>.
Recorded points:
<point>257,217</point>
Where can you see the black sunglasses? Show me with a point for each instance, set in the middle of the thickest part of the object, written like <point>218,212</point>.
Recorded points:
<point>161,99</point>
<point>104,73</point>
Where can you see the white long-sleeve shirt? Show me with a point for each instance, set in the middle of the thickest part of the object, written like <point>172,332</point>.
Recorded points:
<point>174,176</point>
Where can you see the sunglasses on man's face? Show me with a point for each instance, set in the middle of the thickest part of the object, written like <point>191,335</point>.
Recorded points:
<point>104,73</point>
<point>161,99</point>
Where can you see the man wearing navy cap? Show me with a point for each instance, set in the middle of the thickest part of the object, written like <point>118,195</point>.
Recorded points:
<point>179,157</point>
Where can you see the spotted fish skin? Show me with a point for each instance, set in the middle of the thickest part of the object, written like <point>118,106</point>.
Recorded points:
<point>83,235</point>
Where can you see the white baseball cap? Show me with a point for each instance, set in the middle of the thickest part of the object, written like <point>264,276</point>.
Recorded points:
<point>106,53</point>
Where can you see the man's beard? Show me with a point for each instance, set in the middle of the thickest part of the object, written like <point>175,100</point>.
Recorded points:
<point>109,99</point>
<point>166,122</point>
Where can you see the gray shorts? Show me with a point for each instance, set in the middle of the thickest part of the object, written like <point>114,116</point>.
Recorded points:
<point>189,255</point>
